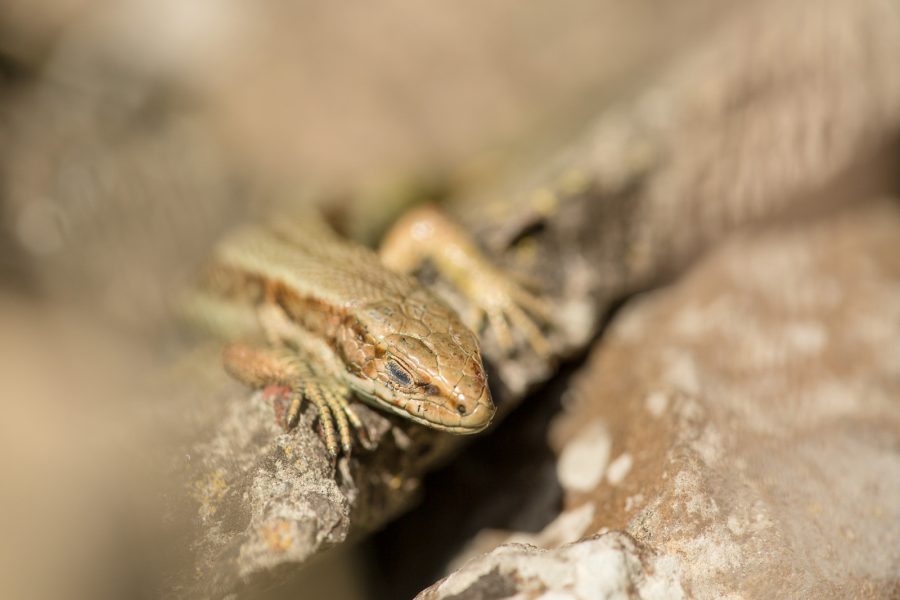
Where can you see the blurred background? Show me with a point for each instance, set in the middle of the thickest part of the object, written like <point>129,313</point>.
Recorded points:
<point>134,132</point>
<point>130,122</point>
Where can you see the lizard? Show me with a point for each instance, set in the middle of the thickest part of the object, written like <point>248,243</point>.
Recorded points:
<point>329,319</point>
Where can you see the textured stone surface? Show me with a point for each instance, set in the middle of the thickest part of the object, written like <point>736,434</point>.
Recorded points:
<point>606,566</point>
<point>752,414</point>
<point>740,425</point>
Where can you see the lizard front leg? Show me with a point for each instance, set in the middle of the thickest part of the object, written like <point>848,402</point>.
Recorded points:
<point>426,233</point>
<point>263,366</point>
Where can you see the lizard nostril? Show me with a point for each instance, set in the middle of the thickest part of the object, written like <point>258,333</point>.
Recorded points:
<point>461,409</point>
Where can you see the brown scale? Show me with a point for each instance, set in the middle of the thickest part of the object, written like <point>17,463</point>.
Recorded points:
<point>340,330</point>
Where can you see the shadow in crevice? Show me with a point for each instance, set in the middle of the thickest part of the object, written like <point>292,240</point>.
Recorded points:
<point>504,481</point>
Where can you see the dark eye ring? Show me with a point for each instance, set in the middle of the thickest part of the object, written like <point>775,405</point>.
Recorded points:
<point>399,374</point>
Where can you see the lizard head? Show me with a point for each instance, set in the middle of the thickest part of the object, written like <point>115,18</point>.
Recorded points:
<point>424,365</point>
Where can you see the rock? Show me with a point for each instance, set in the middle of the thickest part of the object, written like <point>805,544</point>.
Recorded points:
<point>606,566</point>
<point>750,410</point>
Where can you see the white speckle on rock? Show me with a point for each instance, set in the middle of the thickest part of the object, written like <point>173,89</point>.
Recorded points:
<point>572,525</point>
<point>601,574</point>
<point>663,584</point>
<point>619,468</point>
<point>656,403</point>
<point>632,502</point>
<point>607,566</point>
<point>583,461</point>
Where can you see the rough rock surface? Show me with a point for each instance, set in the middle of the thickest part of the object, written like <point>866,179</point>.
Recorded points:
<point>739,427</point>
<point>606,566</point>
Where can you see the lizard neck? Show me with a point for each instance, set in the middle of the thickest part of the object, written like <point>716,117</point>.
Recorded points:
<point>348,338</point>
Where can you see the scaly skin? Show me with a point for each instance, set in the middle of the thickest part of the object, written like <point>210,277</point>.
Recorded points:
<point>332,311</point>
<point>427,234</point>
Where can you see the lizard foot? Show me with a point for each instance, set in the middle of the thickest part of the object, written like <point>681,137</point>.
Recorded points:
<point>335,412</point>
<point>507,307</point>
<point>495,297</point>
<point>274,368</point>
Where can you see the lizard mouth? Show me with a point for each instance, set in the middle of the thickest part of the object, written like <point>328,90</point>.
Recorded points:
<point>482,415</point>
<point>430,412</point>
<point>479,419</point>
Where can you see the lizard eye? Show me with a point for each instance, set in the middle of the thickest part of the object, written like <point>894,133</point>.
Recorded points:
<point>399,374</point>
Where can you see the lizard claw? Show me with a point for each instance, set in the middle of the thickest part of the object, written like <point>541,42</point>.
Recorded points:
<point>508,307</point>
<point>336,415</point>
<point>272,368</point>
